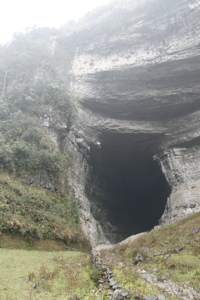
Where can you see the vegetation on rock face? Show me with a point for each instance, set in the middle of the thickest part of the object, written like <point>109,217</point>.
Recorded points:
<point>114,17</point>
<point>35,108</point>
<point>35,213</point>
<point>32,90</point>
<point>30,151</point>
<point>31,80</point>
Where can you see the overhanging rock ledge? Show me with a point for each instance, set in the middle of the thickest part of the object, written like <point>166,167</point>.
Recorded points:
<point>137,137</point>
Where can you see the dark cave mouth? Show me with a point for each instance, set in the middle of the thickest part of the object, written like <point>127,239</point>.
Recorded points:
<point>129,191</point>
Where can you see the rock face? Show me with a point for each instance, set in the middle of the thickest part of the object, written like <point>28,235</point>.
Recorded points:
<point>137,137</point>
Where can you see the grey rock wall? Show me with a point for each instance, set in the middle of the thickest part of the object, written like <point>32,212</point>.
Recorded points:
<point>141,81</point>
<point>181,167</point>
<point>75,143</point>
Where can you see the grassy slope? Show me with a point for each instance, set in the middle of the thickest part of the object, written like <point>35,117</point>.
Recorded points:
<point>21,206</point>
<point>61,274</point>
<point>182,268</point>
<point>44,275</point>
<point>31,214</point>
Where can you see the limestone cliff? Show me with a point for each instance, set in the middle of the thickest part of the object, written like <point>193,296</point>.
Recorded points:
<point>137,138</point>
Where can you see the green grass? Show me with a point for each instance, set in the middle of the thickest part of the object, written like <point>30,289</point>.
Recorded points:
<point>57,275</point>
<point>10,241</point>
<point>31,214</point>
<point>130,280</point>
<point>181,267</point>
<point>42,275</point>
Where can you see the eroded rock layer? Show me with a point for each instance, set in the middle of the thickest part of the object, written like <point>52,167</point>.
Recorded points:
<point>137,138</point>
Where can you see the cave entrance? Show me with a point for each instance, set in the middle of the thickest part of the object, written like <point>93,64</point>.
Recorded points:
<point>127,188</point>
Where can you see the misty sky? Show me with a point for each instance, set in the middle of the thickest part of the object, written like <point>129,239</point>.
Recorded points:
<point>16,15</point>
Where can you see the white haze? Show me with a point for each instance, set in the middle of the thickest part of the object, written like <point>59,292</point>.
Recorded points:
<point>19,15</point>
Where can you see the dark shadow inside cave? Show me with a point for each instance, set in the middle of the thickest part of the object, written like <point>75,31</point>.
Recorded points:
<point>126,187</point>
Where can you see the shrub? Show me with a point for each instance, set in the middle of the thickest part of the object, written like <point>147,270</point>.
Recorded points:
<point>4,110</point>
<point>95,273</point>
<point>6,158</point>
<point>36,213</point>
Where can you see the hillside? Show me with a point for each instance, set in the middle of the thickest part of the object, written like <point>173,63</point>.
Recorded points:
<point>36,112</point>
<point>32,217</point>
<point>148,267</point>
<point>162,261</point>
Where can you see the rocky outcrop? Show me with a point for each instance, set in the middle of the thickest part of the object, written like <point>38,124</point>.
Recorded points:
<point>137,138</point>
<point>181,168</point>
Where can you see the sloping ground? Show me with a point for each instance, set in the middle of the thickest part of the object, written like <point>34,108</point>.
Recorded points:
<point>164,261</point>
<point>35,214</point>
<point>167,258</point>
<point>44,275</point>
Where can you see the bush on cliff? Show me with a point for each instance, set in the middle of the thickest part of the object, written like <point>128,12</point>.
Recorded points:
<point>35,213</point>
